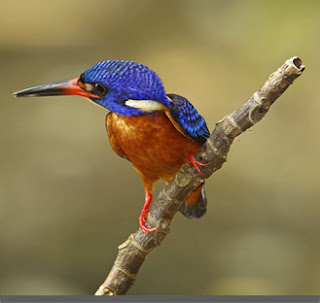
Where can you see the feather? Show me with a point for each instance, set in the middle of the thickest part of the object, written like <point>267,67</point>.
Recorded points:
<point>187,120</point>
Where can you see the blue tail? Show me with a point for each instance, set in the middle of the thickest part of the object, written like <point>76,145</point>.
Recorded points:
<point>197,210</point>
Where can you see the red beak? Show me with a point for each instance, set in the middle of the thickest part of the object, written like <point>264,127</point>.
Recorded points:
<point>66,87</point>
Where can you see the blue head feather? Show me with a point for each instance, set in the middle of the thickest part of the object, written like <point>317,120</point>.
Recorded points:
<point>125,80</point>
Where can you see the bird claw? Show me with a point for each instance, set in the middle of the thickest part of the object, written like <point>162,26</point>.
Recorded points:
<point>144,214</point>
<point>195,163</point>
<point>142,221</point>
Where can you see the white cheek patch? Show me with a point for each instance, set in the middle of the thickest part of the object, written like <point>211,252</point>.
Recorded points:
<point>145,105</point>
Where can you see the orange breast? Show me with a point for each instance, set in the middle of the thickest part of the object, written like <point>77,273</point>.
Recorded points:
<point>151,142</point>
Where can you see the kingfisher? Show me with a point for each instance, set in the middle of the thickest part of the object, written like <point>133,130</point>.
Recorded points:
<point>157,132</point>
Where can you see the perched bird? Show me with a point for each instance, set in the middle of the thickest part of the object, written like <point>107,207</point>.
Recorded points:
<point>155,131</point>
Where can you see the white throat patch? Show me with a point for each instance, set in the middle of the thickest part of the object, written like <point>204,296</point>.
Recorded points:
<point>145,105</point>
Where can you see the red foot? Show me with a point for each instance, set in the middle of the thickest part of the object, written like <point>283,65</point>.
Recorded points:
<point>144,214</point>
<point>195,163</point>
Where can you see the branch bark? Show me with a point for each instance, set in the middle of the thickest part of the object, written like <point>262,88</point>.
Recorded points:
<point>214,152</point>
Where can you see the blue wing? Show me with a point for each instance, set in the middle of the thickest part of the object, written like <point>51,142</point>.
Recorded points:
<point>188,119</point>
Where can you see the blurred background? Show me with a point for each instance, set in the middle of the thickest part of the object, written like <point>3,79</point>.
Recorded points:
<point>67,200</point>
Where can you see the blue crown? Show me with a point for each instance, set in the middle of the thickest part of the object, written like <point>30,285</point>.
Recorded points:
<point>125,80</point>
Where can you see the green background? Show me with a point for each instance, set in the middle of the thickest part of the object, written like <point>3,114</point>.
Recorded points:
<point>67,200</point>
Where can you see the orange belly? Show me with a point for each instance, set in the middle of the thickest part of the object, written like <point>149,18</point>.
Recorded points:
<point>152,144</point>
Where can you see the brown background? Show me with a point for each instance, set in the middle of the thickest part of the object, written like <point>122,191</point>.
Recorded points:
<point>67,201</point>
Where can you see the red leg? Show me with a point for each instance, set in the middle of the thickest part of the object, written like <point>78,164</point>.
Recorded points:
<point>144,214</point>
<point>195,163</point>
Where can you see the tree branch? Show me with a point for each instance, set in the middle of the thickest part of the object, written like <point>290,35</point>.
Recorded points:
<point>214,152</point>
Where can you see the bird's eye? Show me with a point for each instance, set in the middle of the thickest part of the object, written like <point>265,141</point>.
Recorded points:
<point>100,89</point>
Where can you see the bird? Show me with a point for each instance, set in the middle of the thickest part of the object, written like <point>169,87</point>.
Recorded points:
<point>157,132</point>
